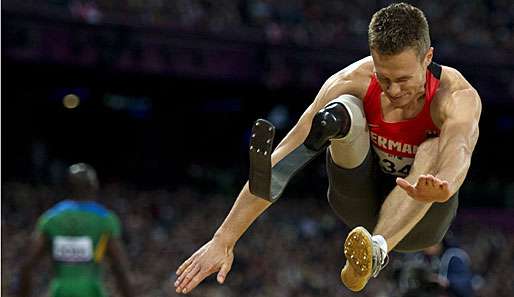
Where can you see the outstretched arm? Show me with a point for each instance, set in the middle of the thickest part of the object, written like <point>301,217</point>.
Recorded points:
<point>37,249</point>
<point>459,135</point>
<point>217,254</point>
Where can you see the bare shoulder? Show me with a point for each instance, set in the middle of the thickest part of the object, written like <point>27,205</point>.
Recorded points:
<point>453,82</point>
<point>455,93</point>
<point>357,71</point>
<point>353,79</point>
<point>357,76</point>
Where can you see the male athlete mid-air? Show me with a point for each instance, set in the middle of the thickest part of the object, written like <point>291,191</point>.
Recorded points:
<point>400,131</point>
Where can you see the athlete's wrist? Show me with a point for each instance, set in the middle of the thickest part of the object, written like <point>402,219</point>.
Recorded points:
<point>224,239</point>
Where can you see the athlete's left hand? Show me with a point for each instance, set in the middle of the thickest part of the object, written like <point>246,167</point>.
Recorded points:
<point>428,188</point>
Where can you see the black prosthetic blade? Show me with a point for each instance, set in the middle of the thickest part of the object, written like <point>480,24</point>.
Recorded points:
<point>261,144</point>
<point>286,168</point>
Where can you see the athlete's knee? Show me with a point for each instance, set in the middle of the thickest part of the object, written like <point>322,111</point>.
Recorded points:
<point>333,121</point>
<point>350,150</point>
<point>435,237</point>
<point>342,125</point>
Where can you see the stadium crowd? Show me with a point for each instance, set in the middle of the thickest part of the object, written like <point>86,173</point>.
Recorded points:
<point>299,22</point>
<point>294,249</point>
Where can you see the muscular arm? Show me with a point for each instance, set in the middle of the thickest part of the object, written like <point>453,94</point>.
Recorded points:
<point>247,206</point>
<point>453,148</point>
<point>37,249</point>
<point>459,135</point>
<point>217,254</point>
<point>459,114</point>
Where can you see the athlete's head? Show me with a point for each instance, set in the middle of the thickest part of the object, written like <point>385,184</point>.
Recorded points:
<point>82,180</point>
<point>399,41</point>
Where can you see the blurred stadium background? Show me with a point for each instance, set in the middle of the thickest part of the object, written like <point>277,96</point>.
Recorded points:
<point>159,97</point>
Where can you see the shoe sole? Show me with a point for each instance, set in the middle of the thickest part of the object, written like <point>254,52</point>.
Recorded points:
<point>358,250</point>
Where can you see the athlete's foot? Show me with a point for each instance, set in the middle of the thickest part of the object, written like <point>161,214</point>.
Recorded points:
<point>365,257</point>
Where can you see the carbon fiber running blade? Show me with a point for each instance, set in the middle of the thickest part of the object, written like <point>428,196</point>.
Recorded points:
<point>261,145</point>
<point>266,182</point>
<point>286,168</point>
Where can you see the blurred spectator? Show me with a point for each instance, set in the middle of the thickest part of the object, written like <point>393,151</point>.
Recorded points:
<point>77,233</point>
<point>448,265</point>
<point>423,283</point>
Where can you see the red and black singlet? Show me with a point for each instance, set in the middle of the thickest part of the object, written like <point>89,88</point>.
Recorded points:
<point>396,143</point>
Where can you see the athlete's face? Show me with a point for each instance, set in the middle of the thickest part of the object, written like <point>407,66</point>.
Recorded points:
<point>402,76</point>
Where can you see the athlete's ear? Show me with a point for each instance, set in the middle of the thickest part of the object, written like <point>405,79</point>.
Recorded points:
<point>428,56</point>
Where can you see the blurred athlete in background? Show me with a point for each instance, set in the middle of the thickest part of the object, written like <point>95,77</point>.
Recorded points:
<point>78,233</point>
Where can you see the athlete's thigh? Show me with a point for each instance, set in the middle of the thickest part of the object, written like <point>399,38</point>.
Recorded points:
<point>355,194</point>
<point>432,228</point>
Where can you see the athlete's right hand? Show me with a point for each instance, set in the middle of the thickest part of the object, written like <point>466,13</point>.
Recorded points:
<point>211,257</point>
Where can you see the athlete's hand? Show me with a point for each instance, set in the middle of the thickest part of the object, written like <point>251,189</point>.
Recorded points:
<point>211,257</point>
<point>428,188</point>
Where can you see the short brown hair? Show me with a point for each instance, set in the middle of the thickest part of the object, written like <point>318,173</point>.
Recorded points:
<point>397,27</point>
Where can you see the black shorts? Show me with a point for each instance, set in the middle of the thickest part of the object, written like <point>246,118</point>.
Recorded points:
<point>356,196</point>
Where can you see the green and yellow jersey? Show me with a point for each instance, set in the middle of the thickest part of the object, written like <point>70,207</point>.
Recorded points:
<point>77,233</point>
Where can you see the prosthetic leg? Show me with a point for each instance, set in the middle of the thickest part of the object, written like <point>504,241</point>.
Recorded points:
<point>342,125</point>
<point>332,123</point>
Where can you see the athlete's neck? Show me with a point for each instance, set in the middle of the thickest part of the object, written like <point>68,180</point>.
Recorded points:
<point>405,112</point>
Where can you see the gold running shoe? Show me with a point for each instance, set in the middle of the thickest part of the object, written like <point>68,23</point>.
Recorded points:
<point>364,259</point>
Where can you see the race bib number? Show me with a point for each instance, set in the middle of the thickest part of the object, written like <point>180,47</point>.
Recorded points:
<point>394,165</point>
<point>73,248</point>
